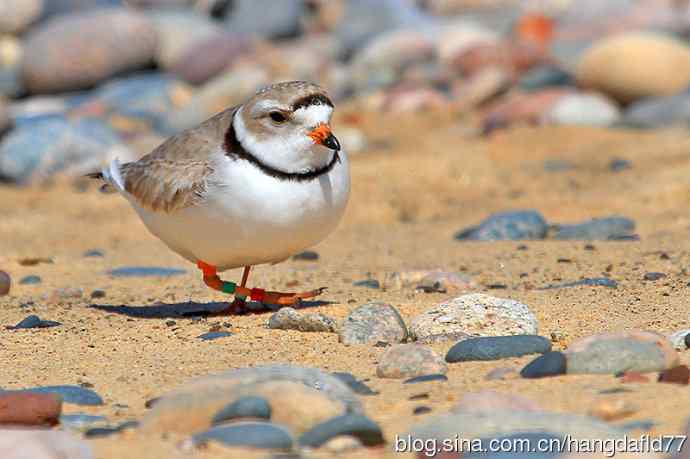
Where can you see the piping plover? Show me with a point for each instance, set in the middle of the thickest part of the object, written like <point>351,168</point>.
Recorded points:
<point>254,184</point>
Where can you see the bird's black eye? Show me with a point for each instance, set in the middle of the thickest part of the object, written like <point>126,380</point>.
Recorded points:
<point>277,117</point>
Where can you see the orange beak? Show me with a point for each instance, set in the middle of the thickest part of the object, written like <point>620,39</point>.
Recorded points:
<point>322,135</point>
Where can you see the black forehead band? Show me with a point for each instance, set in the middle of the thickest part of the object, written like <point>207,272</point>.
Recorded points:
<point>312,99</point>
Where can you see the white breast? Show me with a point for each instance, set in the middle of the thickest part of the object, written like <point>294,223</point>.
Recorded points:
<point>249,218</point>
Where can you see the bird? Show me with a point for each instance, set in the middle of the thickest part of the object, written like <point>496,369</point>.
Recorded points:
<point>254,184</point>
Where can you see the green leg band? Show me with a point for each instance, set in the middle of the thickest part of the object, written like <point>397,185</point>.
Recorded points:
<point>229,287</point>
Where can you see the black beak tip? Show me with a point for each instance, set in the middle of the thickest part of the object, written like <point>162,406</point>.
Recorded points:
<point>332,142</point>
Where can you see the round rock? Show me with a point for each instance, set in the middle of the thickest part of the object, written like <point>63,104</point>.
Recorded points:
<point>16,15</point>
<point>5,283</point>
<point>636,65</point>
<point>262,435</point>
<point>635,351</point>
<point>589,109</point>
<point>245,407</point>
<point>477,315</point>
<point>497,347</point>
<point>354,425</point>
<point>598,229</point>
<point>409,361</point>
<point>80,50</point>
<point>372,323</point>
<point>290,319</point>
<point>27,408</point>
<point>549,364</point>
<point>515,226</point>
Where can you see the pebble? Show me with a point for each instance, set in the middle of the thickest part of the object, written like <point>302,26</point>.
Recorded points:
<point>210,336</point>
<point>598,229</point>
<point>477,315</point>
<point>266,18</point>
<point>5,283</point>
<point>652,276</point>
<point>75,395</point>
<point>408,361</point>
<point>676,375</point>
<point>208,58</point>
<point>307,255</point>
<point>680,340</point>
<point>358,387</point>
<point>17,15</point>
<point>94,253</point>
<point>300,398</point>
<point>612,409</point>
<point>367,283</point>
<point>100,432</point>
<point>82,422</point>
<point>612,353</point>
<point>436,279</point>
<point>587,282</point>
<point>146,271</point>
<point>30,280</point>
<point>342,444</point>
<point>515,226</point>
<point>355,425</point>
<point>372,323</point>
<point>82,49</point>
<point>545,76</point>
<point>636,65</point>
<point>583,109</point>
<point>33,321</point>
<point>549,364</point>
<point>658,112</point>
<point>31,409</point>
<point>98,294</point>
<point>38,149</point>
<point>426,378</point>
<point>634,377</point>
<point>619,165</point>
<point>245,407</point>
<point>497,347</point>
<point>518,107</point>
<point>42,444</point>
<point>290,319</point>
<point>262,435</point>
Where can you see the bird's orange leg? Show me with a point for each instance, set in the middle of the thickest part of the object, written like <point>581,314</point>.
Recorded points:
<point>241,292</point>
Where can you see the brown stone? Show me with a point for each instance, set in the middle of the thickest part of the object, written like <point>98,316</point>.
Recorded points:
<point>26,408</point>
<point>5,283</point>
<point>634,377</point>
<point>676,375</point>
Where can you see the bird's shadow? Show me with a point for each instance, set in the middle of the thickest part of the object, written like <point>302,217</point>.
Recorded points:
<point>191,309</point>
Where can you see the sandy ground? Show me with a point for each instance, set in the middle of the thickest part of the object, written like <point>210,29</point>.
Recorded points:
<point>422,180</point>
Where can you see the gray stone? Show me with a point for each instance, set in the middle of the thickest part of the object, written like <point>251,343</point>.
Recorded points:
<point>35,151</point>
<point>290,319</point>
<point>426,378</point>
<point>598,229</point>
<point>545,76</point>
<point>355,425</point>
<point>262,435</point>
<point>588,282</point>
<point>658,112</point>
<point>61,7</point>
<point>42,444</point>
<point>210,336</point>
<point>145,271</point>
<point>516,226</point>
<point>372,323</point>
<point>408,361</point>
<point>266,18</point>
<point>475,315</point>
<point>497,347</point>
<point>33,321</point>
<point>621,352</point>
<point>208,58</point>
<point>16,15</point>
<point>680,339</point>
<point>30,280</point>
<point>549,364</point>
<point>245,407</point>
<point>82,49</point>
<point>82,422</point>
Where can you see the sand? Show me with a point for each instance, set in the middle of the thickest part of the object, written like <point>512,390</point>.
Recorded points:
<point>423,179</point>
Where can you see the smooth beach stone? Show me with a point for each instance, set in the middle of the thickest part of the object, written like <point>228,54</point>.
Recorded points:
<point>82,422</point>
<point>475,315</point>
<point>409,360</point>
<point>653,276</point>
<point>549,364</point>
<point>146,271</point>
<point>82,49</point>
<point>680,340</point>
<point>545,76</point>
<point>619,165</point>
<point>75,395</point>
<point>372,323</point>
<point>33,321</point>
<point>17,15</point>
<point>515,226</point>
<point>42,444</point>
<point>355,425</point>
<point>263,435</point>
<point>368,283</point>
<point>426,378</point>
<point>266,18</point>
<point>291,319</point>
<point>99,432</point>
<point>5,283</point>
<point>245,407</point>
<point>210,336</point>
<point>357,386</point>
<point>588,282</point>
<point>497,347</point>
<point>307,255</point>
<point>30,409</point>
<point>583,109</point>
<point>94,253</point>
<point>611,353</point>
<point>30,280</point>
<point>598,229</point>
